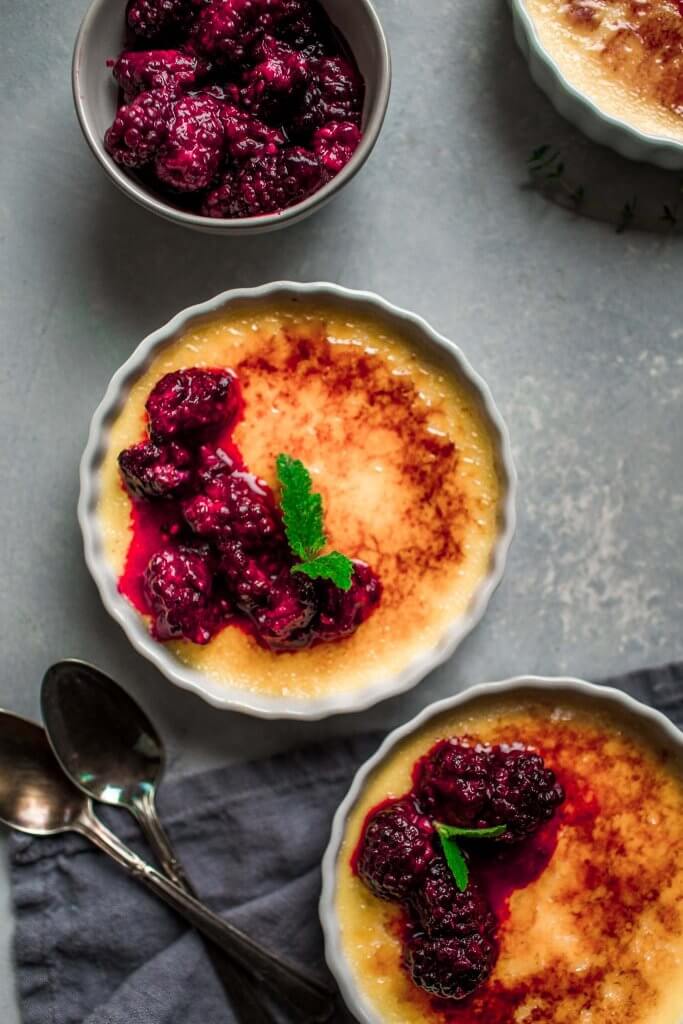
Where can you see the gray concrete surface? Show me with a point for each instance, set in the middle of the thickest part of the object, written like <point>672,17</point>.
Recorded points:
<point>577,328</point>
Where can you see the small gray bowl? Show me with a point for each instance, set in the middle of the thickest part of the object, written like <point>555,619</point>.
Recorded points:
<point>101,37</point>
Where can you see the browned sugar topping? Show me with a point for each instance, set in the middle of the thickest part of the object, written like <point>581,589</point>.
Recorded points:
<point>643,43</point>
<point>370,415</point>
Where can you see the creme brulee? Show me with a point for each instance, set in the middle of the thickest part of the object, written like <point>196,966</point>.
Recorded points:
<point>624,55</point>
<point>590,914</point>
<point>400,451</point>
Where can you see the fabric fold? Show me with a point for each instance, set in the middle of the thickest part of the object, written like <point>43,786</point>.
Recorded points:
<point>94,947</point>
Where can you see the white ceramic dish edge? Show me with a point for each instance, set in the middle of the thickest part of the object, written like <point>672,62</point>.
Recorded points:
<point>375,114</point>
<point>582,111</point>
<point>219,695</point>
<point>334,953</point>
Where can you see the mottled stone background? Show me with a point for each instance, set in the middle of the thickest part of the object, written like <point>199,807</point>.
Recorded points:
<point>577,328</point>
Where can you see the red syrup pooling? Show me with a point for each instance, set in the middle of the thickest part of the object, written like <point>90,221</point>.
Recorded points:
<point>500,871</point>
<point>250,582</point>
<point>153,525</point>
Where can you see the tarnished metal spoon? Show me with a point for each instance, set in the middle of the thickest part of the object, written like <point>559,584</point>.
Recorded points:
<point>36,797</point>
<point>109,748</point>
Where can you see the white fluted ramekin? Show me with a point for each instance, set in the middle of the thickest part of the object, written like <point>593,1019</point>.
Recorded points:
<point>605,697</point>
<point>578,108</point>
<point>223,695</point>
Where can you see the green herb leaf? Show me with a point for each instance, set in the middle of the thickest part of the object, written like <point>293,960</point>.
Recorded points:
<point>335,567</point>
<point>302,509</point>
<point>455,858</point>
<point>453,831</point>
<point>302,512</point>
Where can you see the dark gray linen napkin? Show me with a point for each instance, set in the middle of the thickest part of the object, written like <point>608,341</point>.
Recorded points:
<point>93,947</point>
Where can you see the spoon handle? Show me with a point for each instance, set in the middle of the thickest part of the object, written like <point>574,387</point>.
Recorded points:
<point>243,997</point>
<point>311,997</point>
<point>147,817</point>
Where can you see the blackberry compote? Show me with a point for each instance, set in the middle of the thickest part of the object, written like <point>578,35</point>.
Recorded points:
<point>235,108</point>
<point>450,968</point>
<point>209,546</point>
<point>397,849</point>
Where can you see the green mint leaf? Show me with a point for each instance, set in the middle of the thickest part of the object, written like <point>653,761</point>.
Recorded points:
<point>334,566</point>
<point>454,858</point>
<point>449,835</point>
<point>454,832</point>
<point>302,509</point>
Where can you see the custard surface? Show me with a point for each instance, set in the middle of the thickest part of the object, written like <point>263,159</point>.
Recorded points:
<point>625,55</point>
<point>597,937</point>
<point>398,447</point>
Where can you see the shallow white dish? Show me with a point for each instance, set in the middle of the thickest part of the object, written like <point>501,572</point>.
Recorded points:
<point>101,37</point>
<point>582,111</point>
<point>645,716</point>
<point>223,695</point>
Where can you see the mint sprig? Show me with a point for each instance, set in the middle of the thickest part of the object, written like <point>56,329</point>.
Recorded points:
<point>455,858</point>
<point>302,513</point>
<point>334,566</point>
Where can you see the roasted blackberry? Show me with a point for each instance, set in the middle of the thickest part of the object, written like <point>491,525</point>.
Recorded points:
<point>452,783</point>
<point>289,609</point>
<point>334,144</point>
<point>139,129</point>
<point>396,849</point>
<point>249,578</point>
<point>523,792</point>
<point>150,19</point>
<point>342,612</point>
<point>179,589</point>
<point>193,148</point>
<point>143,70</point>
<point>442,910</point>
<point>450,968</point>
<point>238,509</point>
<point>225,29</point>
<point>247,137</point>
<point>334,92</point>
<point>272,85</point>
<point>272,183</point>
<point>152,470</point>
<point>186,400</point>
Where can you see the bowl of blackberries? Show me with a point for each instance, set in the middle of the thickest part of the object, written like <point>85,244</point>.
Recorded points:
<point>231,116</point>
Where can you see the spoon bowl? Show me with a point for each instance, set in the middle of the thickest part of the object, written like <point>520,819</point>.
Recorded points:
<point>35,795</point>
<point>103,740</point>
<point>37,798</point>
<point>109,748</point>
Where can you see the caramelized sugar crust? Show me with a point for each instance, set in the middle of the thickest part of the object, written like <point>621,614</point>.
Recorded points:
<point>636,45</point>
<point>360,398</point>
<point>400,451</point>
<point>596,934</point>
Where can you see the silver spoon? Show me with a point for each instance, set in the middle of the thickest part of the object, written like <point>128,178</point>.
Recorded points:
<point>108,747</point>
<point>36,797</point>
